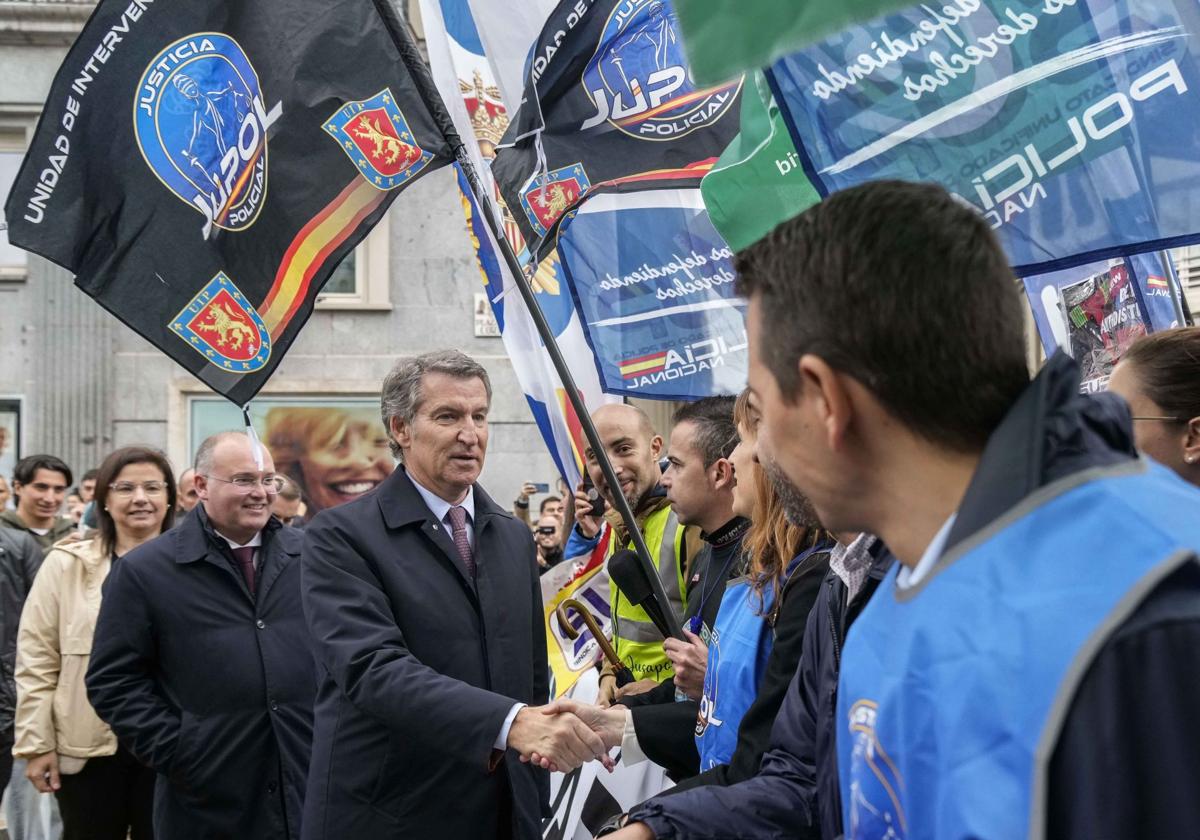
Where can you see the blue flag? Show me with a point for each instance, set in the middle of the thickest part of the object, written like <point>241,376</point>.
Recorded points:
<point>1070,125</point>
<point>653,283</point>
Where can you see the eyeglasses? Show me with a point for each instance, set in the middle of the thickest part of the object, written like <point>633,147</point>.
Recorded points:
<point>126,489</point>
<point>1157,417</point>
<point>272,484</point>
<point>547,531</point>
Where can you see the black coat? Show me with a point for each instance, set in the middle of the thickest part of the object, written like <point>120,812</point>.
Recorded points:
<point>419,668</point>
<point>211,688</point>
<point>20,559</point>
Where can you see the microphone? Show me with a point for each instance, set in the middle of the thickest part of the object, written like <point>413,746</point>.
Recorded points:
<point>627,572</point>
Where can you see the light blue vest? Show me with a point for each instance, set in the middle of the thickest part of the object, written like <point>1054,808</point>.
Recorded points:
<point>738,649</point>
<point>953,693</point>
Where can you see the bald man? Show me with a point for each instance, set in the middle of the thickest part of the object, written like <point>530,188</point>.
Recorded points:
<point>634,448</point>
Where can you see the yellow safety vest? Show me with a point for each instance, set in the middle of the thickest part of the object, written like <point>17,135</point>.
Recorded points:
<point>635,638</point>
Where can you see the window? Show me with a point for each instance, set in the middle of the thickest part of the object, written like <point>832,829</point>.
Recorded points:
<point>361,281</point>
<point>13,261</point>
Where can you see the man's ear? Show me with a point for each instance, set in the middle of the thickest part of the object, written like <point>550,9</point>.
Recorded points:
<point>656,445</point>
<point>830,400</point>
<point>400,432</point>
<point>721,474</point>
<point>200,484</point>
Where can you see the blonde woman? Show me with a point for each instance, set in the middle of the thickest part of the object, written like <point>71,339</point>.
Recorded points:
<point>103,792</point>
<point>333,454</point>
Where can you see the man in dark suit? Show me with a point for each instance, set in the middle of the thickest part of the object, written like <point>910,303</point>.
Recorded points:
<point>423,602</point>
<point>201,661</point>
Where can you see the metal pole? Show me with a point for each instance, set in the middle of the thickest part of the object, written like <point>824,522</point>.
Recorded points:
<point>433,101</point>
<point>1182,309</point>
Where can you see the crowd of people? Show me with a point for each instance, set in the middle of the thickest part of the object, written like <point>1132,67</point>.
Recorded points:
<point>920,593</point>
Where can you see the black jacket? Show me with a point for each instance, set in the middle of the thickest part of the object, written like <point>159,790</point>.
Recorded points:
<point>672,745</point>
<point>419,668</point>
<point>209,687</point>
<point>1125,764</point>
<point>664,725</point>
<point>20,559</point>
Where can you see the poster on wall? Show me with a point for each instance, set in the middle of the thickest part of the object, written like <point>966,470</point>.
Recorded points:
<point>10,436</point>
<point>334,449</point>
<point>1093,312</point>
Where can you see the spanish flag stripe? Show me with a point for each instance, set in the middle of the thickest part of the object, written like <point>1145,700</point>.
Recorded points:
<point>641,367</point>
<point>312,246</point>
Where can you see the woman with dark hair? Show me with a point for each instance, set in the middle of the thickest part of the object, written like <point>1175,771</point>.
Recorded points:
<point>1159,376</point>
<point>102,791</point>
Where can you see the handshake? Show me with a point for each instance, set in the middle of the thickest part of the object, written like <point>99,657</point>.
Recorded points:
<point>564,734</point>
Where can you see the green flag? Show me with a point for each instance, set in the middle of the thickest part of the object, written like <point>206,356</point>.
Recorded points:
<point>725,37</point>
<point>758,181</point>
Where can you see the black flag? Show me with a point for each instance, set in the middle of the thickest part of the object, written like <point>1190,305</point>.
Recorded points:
<point>204,166</point>
<point>610,94</point>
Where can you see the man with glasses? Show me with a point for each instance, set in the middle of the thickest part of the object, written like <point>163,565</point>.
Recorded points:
<point>201,661</point>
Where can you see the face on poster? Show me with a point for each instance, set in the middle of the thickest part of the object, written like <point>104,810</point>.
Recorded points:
<point>334,449</point>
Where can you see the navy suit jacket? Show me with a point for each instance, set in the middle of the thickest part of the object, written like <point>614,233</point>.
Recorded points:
<point>418,667</point>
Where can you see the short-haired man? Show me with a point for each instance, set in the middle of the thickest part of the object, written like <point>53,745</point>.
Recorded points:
<point>288,504</point>
<point>201,661</point>
<point>40,485</point>
<point>87,485</point>
<point>552,506</point>
<point>187,497</point>
<point>1028,666</point>
<point>425,611</point>
<point>634,448</point>
<point>699,484</point>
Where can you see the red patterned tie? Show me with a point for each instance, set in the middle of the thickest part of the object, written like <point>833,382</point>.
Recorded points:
<point>458,522</point>
<point>245,558</point>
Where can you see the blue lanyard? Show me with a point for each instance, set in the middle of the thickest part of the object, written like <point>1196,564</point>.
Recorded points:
<point>697,620</point>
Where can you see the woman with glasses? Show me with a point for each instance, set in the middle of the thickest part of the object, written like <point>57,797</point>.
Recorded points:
<point>1159,376</point>
<point>102,791</point>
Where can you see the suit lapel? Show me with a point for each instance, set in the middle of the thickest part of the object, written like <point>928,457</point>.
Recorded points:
<point>273,564</point>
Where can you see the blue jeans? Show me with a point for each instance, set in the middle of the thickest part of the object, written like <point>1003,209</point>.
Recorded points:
<point>31,815</point>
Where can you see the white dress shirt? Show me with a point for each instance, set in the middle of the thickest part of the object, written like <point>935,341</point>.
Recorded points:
<point>255,543</point>
<point>440,508</point>
<point>908,578</point>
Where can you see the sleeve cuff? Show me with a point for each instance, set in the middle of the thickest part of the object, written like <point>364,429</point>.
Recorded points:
<point>631,750</point>
<point>502,740</point>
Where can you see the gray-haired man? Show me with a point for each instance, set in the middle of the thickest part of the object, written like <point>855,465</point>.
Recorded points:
<point>423,602</point>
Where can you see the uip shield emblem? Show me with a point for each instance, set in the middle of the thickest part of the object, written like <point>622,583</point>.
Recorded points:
<point>201,123</point>
<point>376,137</point>
<point>224,328</point>
<point>546,198</point>
<point>639,78</point>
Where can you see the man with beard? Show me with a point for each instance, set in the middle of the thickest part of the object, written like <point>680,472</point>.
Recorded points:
<point>634,450</point>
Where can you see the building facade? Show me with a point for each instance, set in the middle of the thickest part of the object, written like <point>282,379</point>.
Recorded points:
<point>83,383</point>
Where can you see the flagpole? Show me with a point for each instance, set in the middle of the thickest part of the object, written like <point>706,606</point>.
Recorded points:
<point>1182,309</point>
<point>403,40</point>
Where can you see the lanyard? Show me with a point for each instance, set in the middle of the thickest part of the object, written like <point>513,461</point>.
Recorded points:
<point>695,622</point>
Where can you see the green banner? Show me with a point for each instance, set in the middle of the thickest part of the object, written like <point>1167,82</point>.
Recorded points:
<point>725,37</point>
<point>758,181</point>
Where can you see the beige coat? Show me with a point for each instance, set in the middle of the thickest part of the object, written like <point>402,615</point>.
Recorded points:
<point>54,645</point>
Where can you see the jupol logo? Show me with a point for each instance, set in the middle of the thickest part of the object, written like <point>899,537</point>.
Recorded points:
<point>201,123</point>
<point>639,80</point>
